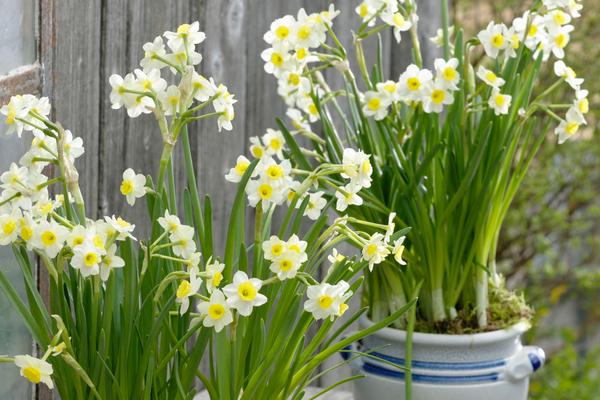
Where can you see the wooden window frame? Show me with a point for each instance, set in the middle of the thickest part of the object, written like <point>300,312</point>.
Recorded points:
<point>34,78</point>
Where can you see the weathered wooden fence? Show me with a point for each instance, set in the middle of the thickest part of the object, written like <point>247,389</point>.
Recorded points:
<point>84,42</point>
<point>96,38</point>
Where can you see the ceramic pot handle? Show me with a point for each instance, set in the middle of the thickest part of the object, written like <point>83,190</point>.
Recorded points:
<point>525,363</point>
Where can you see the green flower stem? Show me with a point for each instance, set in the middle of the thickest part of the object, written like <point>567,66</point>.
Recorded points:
<point>11,198</point>
<point>164,163</point>
<point>4,359</point>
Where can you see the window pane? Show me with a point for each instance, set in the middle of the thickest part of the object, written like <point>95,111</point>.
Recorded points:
<point>14,337</point>
<point>17,34</point>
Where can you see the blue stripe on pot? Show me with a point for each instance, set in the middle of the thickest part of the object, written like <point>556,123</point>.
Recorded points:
<point>455,366</point>
<point>377,370</point>
<point>458,366</point>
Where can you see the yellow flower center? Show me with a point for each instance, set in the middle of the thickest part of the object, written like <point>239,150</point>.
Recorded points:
<point>561,40</point>
<point>295,248</point>
<point>572,128</point>
<point>247,291</point>
<point>173,100</point>
<point>413,83</point>
<point>9,227</point>
<point>374,104</point>
<point>127,187</point>
<point>33,374</point>
<point>147,85</point>
<point>257,151</point>
<point>184,289</point>
<point>390,87</point>
<point>490,76</point>
<point>277,249</point>
<point>312,109</point>
<point>500,100</point>
<point>217,278</point>
<point>294,79</point>
<point>78,240</point>
<point>241,167</point>
<point>90,259</point>
<point>498,40</point>
<point>366,167</point>
<point>265,191</point>
<point>98,241</point>
<point>437,96</point>
<point>183,29</point>
<point>533,29</point>
<point>301,53</point>
<point>282,32</point>
<point>122,223</point>
<point>515,41</point>
<point>216,311</point>
<point>304,32</point>
<point>274,172</point>
<point>12,114</point>
<point>363,10</point>
<point>275,144</point>
<point>398,20</point>
<point>286,265</point>
<point>26,233</point>
<point>371,249</point>
<point>449,73</point>
<point>277,59</point>
<point>48,238</point>
<point>559,18</point>
<point>584,106</point>
<point>325,301</point>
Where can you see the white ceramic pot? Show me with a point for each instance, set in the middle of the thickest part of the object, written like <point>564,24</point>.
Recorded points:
<point>490,366</point>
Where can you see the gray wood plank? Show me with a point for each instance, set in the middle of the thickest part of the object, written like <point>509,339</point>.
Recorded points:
<point>225,60</point>
<point>75,95</point>
<point>127,142</point>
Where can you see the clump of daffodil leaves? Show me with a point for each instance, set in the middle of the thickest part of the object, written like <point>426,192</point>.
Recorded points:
<point>133,318</point>
<point>449,144</point>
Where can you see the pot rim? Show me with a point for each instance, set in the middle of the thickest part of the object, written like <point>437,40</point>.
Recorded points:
<point>448,339</point>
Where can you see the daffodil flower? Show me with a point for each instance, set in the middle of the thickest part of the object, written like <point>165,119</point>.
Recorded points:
<point>375,250</point>
<point>493,39</point>
<point>49,237</point>
<point>489,77</point>
<point>243,294</point>
<point>186,289</point>
<point>326,300</point>
<point>216,312</point>
<point>35,370</point>
<point>87,259</point>
<point>570,125</point>
<point>214,270</point>
<point>133,186</point>
<point>412,83</point>
<point>110,261</point>
<point>499,102</point>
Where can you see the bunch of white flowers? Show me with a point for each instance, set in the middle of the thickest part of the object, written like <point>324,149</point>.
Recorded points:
<point>415,86</point>
<point>292,40</point>
<point>273,181</point>
<point>145,90</point>
<point>30,216</point>
<point>545,31</point>
<point>286,257</point>
<point>399,14</point>
<point>215,306</point>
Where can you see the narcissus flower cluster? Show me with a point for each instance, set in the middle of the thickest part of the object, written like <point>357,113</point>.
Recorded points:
<point>145,91</point>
